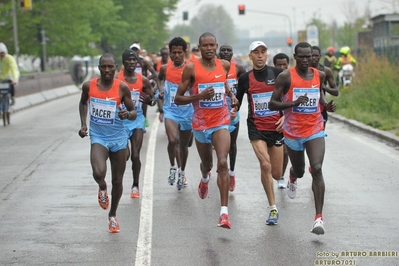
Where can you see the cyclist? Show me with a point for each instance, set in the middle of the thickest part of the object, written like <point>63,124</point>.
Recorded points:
<point>8,73</point>
<point>344,59</point>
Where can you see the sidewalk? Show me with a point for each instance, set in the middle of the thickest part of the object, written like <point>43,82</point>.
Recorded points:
<point>30,100</point>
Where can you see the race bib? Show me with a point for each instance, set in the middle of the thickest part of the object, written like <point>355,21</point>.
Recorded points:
<point>172,96</point>
<point>231,83</point>
<point>309,107</point>
<point>102,111</point>
<point>135,98</point>
<point>260,103</point>
<point>217,100</point>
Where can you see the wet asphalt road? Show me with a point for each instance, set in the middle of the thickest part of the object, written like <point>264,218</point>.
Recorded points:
<point>50,215</point>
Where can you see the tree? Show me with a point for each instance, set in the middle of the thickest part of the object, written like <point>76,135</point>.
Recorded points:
<point>346,35</point>
<point>86,27</point>
<point>325,31</point>
<point>147,22</point>
<point>216,20</point>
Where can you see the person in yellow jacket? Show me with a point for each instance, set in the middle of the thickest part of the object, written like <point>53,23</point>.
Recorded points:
<point>344,59</point>
<point>8,69</point>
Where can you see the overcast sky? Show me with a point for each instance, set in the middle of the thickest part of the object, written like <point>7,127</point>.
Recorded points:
<point>299,11</point>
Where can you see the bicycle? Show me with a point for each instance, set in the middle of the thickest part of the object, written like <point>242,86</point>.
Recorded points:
<point>5,102</point>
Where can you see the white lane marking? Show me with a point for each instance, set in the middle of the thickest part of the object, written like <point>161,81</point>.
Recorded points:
<point>144,239</point>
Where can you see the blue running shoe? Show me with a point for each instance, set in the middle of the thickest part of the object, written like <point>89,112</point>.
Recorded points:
<point>273,218</point>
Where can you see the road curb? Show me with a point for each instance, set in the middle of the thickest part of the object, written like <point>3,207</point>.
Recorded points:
<point>30,100</point>
<point>387,136</point>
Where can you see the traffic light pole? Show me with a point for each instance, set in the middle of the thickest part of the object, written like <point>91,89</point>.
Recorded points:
<point>15,30</point>
<point>277,14</point>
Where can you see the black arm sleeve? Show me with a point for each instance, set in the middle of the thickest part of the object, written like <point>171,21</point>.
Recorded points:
<point>242,87</point>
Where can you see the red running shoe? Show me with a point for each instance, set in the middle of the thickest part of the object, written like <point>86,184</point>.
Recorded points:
<point>224,221</point>
<point>203,188</point>
<point>103,199</point>
<point>113,225</point>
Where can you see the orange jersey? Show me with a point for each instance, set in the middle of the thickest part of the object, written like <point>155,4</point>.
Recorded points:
<point>304,120</point>
<point>137,86</point>
<point>135,89</point>
<point>111,94</point>
<point>103,108</point>
<point>232,75</point>
<point>210,113</point>
<point>174,74</point>
<point>160,64</point>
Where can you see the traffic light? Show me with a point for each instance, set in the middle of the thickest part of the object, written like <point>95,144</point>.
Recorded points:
<point>289,42</point>
<point>241,9</point>
<point>25,4</point>
<point>185,15</point>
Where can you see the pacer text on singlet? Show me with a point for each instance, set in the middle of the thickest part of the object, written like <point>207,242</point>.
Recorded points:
<point>310,106</point>
<point>217,100</point>
<point>102,111</point>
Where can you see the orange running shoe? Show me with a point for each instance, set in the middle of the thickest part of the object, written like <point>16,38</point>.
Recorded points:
<point>135,193</point>
<point>224,221</point>
<point>232,183</point>
<point>103,199</point>
<point>113,225</point>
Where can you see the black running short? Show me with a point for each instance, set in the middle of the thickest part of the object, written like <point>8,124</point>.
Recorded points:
<point>272,138</point>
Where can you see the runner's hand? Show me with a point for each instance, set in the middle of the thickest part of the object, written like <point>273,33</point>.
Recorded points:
<point>145,98</point>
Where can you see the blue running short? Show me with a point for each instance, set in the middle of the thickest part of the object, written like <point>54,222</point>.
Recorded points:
<point>299,144</point>
<point>184,123</point>
<point>131,125</point>
<point>112,146</point>
<point>205,136</point>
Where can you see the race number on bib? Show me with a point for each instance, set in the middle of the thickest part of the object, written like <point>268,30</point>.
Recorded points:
<point>135,98</point>
<point>260,102</point>
<point>231,83</point>
<point>217,100</point>
<point>102,111</point>
<point>309,107</point>
<point>173,92</point>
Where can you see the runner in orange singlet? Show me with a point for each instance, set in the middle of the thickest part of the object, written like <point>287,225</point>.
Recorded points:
<point>135,129</point>
<point>300,89</point>
<point>101,98</point>
<point>206,79</point>
<point>236,70</point>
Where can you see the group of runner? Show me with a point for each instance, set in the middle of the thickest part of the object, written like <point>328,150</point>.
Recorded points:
<point>201,98</point>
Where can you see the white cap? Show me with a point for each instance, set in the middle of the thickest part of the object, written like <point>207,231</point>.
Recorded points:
<point>255,45</point>
<point>135,45</point>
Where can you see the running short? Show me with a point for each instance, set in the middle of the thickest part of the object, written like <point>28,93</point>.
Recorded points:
<point>272,138</point>
<point>183,122</point>
<point>299,144</point>
<point>112,146</point>
<point>131,125</point>
<point>205,136</point>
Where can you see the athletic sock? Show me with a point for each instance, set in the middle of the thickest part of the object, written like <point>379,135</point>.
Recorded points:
<point>224,210</point>
<point>273,207</point>
<point>205,179</point>
<point>318,216</point>
<point>232,173</point>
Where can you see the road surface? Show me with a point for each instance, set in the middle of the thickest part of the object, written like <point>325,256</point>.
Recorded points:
<point>50,214</point>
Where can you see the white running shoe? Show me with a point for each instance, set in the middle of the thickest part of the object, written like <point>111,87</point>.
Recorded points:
<point>318,227</point>
<point>291,192</point>
<point>281,183</point>
<point>172,176</point>
<point>180,181</point>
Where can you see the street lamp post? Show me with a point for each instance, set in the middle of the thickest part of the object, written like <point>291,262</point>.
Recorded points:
<point>15,29</point>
